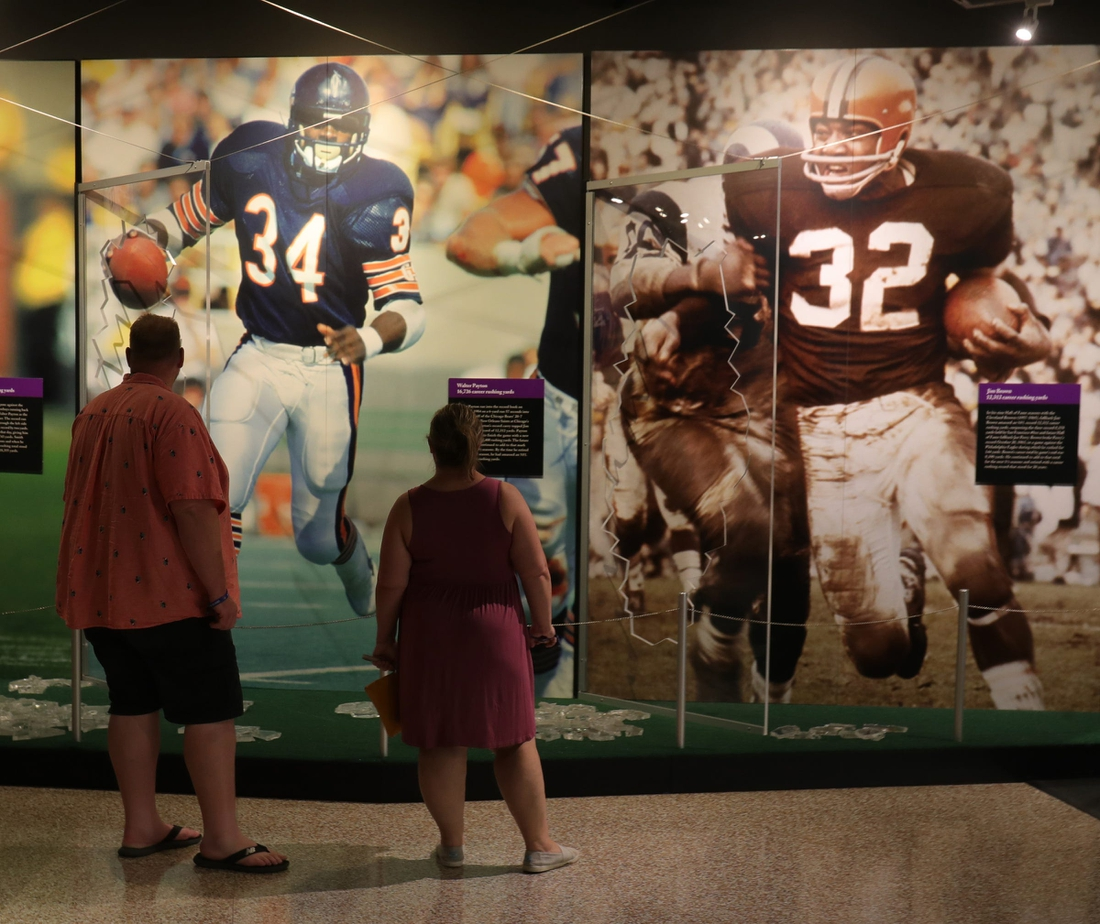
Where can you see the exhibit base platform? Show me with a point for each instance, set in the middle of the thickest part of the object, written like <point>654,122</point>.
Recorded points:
<point>333,757</point>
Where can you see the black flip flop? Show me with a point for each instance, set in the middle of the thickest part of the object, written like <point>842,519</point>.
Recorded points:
<point>169,843</point>
<point>231,863</point>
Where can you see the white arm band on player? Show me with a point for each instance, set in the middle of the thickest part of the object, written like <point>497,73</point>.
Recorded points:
<point>372,340</point>
<point>526,256</point>
<point>415,319</point>
<point>165,218</point>
<point>507,254</point>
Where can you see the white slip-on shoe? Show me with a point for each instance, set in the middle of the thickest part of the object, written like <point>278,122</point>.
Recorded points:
<point>541,861</point>
<point>450,857</point>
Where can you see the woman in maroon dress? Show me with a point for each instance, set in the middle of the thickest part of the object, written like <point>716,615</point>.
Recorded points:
<point>450,554</point>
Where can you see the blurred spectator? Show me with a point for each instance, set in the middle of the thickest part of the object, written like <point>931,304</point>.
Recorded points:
<point>42,282</point>
<point>1058,249</point>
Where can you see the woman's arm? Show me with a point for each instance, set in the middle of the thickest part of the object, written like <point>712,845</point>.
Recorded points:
<point>393,577</point>
<point>527,558</point>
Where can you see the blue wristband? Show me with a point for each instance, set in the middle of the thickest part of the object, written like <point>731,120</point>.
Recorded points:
<point>214,604</point>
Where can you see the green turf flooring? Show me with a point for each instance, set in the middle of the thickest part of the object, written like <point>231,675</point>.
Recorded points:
<point>311,730</point>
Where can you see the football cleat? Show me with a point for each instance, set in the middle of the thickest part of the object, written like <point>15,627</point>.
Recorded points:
<point>911,563</point>
<point>865,89</point>
<point>717,659</point>
<point>334,97</point>
<point>1015,685</point>
<point>762,691</point>
<point>357,575</point>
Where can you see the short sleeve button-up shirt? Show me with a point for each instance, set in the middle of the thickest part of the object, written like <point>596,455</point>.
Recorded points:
<point>135,449</point>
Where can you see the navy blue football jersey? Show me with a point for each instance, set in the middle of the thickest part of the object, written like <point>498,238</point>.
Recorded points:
<point>862,282</point>
<point>556,179</point>
<point>310,252</point>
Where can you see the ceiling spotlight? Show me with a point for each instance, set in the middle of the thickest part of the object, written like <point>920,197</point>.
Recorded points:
<point>1026,31</point>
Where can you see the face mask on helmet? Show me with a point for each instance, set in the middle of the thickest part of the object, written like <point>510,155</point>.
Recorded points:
<point>845,185</point>
<point>326,155</point>
<point>868,92</point>
<point>328,112</point>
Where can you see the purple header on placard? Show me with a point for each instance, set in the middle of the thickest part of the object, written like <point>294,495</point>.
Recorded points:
<point>994,393</point>
<point>496,388</point>
<point>20,388</point>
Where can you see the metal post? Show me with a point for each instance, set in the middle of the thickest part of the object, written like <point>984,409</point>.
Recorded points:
<point>681,670</point>
<point>584,459</point>
<point>775,430</point>
<point>383,738</point>
<point>77,674</point>
<point>206,193</point>
<point>960,663</point>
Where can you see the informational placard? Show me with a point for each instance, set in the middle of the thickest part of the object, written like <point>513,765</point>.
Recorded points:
<point>511,412</point>
<point>21,426</point>
<point>1027,434</point>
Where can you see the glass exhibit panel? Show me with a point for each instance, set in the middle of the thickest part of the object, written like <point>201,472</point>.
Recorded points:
<point>681,465</point>
<point>311,230</point>
<point>125,272</point>
<point>912,170</point>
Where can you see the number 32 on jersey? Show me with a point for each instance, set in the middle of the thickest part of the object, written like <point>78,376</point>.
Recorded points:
<point>303,254</point>
<point>836,276</point>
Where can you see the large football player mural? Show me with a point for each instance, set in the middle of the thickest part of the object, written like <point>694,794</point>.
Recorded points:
<point>893,220</point>
<point>315,166</point>
<point>322,228</point>
<point>537,229</point>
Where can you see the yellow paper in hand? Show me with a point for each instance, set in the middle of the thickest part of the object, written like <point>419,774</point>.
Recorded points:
<point>383,693</point>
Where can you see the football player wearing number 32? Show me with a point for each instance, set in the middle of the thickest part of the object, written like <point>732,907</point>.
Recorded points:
<point>870,233</point>
<point>321,227</point>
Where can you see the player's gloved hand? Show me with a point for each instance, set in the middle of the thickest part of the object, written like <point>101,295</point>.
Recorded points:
<point>225,615</point>
<point>384,656</point>
<point>156,230</point>
<point>537,638</point>
<point>661,337</point>
<point>740,272</point>
<point>1007,347</point>
<point>548,248</point>
<point>344,344</point>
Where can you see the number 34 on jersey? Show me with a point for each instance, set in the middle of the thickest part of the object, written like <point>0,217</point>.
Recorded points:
<point>303,252</point>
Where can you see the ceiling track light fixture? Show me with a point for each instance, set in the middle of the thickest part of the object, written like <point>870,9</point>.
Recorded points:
<point>1025,32</point>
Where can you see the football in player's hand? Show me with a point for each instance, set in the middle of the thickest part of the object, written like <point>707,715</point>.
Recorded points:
<point>137,270</point>
<point>973,305</point>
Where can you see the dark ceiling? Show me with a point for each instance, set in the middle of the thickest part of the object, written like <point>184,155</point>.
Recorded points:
<point>216,28</point>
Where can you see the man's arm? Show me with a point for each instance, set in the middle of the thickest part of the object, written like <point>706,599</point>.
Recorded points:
<point>183,223</point>
<point>200,535</point>
<point>651,284</point>
<point>397,327</point>
<point>516,233</point>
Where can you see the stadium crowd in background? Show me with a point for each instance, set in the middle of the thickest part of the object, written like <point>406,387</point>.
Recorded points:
<point>460,140</point>
<point>1032,114</point>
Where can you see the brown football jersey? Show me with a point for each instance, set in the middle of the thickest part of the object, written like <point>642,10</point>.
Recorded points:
<point>863,281</point>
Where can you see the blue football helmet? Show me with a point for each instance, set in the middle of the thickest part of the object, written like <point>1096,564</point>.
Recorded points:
<point>335,95</point>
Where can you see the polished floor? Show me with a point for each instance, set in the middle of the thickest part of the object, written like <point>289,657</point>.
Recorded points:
<point>973,854</point>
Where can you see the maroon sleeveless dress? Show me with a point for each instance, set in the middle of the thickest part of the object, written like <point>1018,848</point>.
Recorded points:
<point>464,670</point>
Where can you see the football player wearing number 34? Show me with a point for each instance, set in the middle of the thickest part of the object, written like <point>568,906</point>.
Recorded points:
<point>870,232</point>
<point>322,228</point>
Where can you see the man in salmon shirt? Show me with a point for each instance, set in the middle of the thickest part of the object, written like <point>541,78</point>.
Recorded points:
<point>147,570</point>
